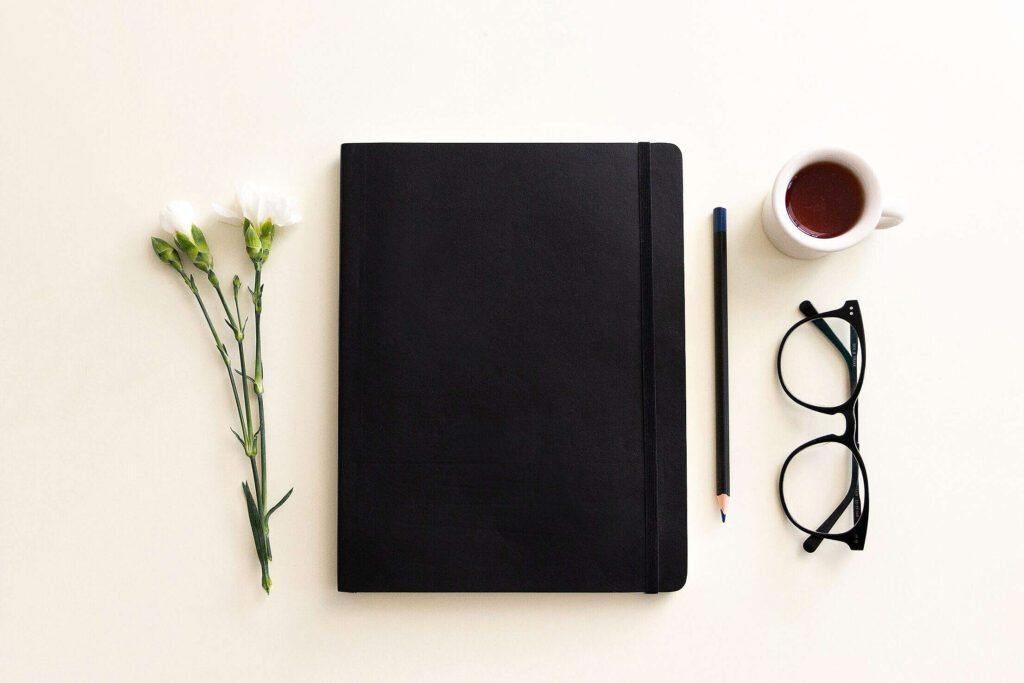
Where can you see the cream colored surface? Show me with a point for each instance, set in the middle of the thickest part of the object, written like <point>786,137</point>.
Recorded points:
<point>124,547</point>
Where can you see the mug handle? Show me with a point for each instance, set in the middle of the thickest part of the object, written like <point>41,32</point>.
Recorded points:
<point>892,216</point>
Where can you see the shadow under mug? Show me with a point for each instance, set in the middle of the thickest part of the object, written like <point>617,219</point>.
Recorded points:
<point>791,240</point>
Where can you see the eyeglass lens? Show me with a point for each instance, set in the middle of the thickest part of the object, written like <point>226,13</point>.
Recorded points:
<point>821,361</point>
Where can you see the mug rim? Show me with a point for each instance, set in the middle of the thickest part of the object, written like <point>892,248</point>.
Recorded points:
<point>869,218</point>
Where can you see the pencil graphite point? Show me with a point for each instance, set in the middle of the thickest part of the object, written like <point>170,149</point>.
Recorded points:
<point>723,504</point>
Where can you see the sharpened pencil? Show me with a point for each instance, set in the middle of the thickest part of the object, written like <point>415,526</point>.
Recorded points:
<point>721,364</point>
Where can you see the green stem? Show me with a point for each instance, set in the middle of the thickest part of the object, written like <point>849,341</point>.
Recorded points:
<point>263,453</point>
<point>258,388</point>
<point>236,324</point>
<point>262,543</point>
<point>263,468</point>
<point>223,302</point>
<point>238,312</point>
<point>220,345</point>
<point>248,410</point>
<point>240,337</point>
<point>256,479</point>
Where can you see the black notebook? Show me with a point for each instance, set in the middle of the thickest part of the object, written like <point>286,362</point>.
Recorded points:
<point>512,391</point>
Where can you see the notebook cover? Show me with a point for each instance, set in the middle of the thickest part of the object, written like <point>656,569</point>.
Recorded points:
<point>512,377</point>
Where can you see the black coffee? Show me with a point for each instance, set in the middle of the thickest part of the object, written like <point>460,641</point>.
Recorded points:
<point>825,199</point>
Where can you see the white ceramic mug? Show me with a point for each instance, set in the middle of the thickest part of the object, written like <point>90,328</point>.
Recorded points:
<point>791,240</point>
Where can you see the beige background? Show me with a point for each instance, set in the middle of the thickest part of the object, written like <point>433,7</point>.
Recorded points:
<point>124,547</point>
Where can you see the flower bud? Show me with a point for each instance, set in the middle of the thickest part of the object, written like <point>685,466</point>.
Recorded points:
<point>195,248</point>
<point>199,239</point>
<point>267,231</point>
<point>237,284</point>
<point>166,253</point>
<point>186,244</point>
<point>253,246</point>
<point>203,261</point>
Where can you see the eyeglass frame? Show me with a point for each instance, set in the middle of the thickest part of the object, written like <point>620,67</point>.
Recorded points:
<point>855,536</point>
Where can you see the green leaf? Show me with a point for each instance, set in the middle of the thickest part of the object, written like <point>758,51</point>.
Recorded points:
<point>280,502</point>
<point>239,437</point>
<point>254,522</point>
<point>239,373</point>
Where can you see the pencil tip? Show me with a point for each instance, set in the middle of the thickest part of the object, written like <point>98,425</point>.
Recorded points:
<point>723,517</point>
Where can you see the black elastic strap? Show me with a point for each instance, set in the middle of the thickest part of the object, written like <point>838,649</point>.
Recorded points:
<point>647,371</point>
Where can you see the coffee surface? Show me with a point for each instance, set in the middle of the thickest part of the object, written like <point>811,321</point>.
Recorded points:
<point>825,199</point>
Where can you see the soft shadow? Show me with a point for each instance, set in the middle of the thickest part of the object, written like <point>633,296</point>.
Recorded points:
<point>330,302</point>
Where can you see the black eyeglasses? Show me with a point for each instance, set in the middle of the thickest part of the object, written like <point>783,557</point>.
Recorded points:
<point>821,480</point>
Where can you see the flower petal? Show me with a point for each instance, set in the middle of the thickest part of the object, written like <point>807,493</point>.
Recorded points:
<point>283,210</point>
<point>247,199</point>
<point>227,215</point>
<point>178,215</point>
<point>258,205</point>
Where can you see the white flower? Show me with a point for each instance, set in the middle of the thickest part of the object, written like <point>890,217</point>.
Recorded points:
<point>248,201</point>
<point>177,216</point>
<point>258,205</point>
<point>282,210</point>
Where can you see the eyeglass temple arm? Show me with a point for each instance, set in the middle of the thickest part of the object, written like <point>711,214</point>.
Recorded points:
<point>853,494</point>
<point>809,311</point>
<point>812,542</point>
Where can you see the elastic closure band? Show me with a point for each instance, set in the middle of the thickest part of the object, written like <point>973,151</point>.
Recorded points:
<point>648,393</point>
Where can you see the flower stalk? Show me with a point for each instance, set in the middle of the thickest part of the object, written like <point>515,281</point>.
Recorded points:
<point>268,211</point>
